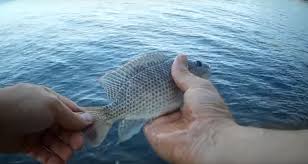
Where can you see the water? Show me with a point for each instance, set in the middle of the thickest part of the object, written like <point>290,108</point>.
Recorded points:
<point>258,51</point>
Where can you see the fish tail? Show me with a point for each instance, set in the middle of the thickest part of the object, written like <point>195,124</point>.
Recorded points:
<point>96,133</point>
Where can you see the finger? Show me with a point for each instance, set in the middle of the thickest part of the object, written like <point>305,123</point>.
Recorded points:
<point>171,123</point>
<point>73,106</point>
<point>70,120</point>
<point>45,156</point>
<point>159,128</point>
<point>42,155</point>
<point>166,118</point>
<point>183,78</point>
<point>56,146</point>
<point>164,138</point>
<point>55,160</point>
<point>74,139</point>
<point>161,123</point>
<point>33,151</point>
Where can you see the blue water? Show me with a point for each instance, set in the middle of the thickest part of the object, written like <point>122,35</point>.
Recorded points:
<point>258,51</point>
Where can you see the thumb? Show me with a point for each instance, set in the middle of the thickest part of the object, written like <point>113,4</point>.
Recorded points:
<point>70,120</point>
<point>183,78</point>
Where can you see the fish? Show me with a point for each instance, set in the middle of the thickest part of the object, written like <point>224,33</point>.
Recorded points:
<point>139,91</point>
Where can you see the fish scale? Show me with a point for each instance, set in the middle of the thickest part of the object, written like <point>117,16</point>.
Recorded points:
<point>140,90</point>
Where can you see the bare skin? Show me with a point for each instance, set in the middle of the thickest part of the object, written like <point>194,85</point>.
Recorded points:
<point>37,121</point>
<point>203,131</point>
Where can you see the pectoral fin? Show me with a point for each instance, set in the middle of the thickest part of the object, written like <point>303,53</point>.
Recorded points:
<point>128,128</point>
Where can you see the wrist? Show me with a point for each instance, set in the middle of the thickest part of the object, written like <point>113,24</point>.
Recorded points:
<point>232,142</point>
<point>212,146</point>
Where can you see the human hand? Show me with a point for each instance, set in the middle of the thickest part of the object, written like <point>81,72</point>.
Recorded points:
<point>38,121</point>
<point>189,135</point>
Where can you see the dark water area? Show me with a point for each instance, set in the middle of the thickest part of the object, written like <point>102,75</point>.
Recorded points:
<point>258,52</point>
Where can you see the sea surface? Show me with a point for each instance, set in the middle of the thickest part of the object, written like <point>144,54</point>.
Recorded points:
<point>257,49</point>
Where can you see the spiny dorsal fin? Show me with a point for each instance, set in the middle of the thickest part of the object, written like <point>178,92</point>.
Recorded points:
<point>114,80</point>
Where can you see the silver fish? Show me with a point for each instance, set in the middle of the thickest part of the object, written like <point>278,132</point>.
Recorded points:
<point>139,91</point>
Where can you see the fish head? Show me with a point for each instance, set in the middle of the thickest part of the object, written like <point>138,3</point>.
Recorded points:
<point>199,69</point>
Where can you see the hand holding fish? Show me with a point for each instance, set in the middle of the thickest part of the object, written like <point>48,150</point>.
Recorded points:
<point>37,121</point>
<point>203,131</point>
<point>179,137</point>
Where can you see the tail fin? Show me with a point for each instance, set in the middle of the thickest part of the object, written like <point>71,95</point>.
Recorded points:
<point>96,133</point>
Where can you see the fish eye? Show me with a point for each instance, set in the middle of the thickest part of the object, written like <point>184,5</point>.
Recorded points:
<point>199,64</point>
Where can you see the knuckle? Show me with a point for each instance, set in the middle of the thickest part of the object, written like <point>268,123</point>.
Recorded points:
<point>180,72</point>
<point>34,89</point>
<point>44,88</point>
<point>23,85</point>
<point>53,102</point>
<point>184,70</point>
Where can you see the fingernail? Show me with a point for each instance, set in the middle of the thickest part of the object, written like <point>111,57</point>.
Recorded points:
<point>87,117</point>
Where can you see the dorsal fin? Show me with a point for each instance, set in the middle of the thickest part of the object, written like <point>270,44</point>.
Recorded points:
<point>114,80</point>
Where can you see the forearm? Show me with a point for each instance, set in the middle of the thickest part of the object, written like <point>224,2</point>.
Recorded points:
<point>255,145</point>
